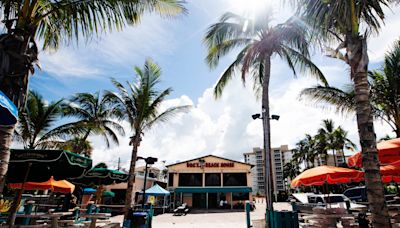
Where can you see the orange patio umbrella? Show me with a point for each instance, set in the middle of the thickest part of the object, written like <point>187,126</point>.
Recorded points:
<point>391,172</point>
<point>61,186</point>
<point>327,174</point>
<point>388,152</point>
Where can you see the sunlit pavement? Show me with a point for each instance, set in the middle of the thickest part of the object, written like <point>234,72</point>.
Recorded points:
<point>213,220</point>
<point>210,220</point>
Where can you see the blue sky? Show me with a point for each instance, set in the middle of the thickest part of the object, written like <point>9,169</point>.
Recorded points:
<point>221,127</point>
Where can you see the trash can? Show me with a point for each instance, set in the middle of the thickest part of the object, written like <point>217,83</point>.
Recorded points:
<point>139,220</point>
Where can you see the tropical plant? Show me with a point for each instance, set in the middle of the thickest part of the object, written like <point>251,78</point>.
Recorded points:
<point>140,102</point>
<point>55,22</point>
<point>95,115</point>
<point>259,41</point>
<point>341,142</point>
<point>385,92</point>
<point>77,145</point>
<point>350,22</point>
<point>35,129</point>
<point>304,153</point>
<point>291,170</point>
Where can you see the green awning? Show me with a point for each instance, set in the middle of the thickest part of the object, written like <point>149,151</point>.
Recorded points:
<point>212,189</point>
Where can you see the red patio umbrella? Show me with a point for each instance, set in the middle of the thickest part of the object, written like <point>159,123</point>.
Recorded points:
<point>391,172</point>
<point>327,174</point>
<point>388,152</point>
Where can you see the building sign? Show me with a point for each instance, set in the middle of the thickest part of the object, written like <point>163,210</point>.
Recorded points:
<point>210,164</point>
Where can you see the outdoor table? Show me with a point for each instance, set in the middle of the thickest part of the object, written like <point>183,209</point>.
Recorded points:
<point>94,218</point>
<point>54,217</point>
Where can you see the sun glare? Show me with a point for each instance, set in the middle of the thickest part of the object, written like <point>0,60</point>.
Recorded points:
<point>251,7</point>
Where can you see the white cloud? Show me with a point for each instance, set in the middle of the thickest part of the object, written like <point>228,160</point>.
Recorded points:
<point>379,45</point>
<point>224,127</point>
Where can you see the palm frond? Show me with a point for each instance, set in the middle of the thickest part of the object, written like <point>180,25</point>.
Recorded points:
<point>167,115</point>
<point>343,101</point>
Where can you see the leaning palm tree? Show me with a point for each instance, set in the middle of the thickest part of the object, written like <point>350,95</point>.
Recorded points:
<point>141,103</point>
<point>35,129</point>
<point>259,42</point>
<point>385,92</point>
<point>94,114</point>
<point>54,22</point>
<point>350,22</point>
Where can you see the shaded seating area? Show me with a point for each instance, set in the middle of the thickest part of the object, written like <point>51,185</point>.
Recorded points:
<point>157,197</point>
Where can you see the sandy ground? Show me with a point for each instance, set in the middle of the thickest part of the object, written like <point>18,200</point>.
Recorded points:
<point>210,220</point>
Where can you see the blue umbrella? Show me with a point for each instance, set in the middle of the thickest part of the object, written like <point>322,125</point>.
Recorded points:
<point>8,111</point>
<point>89,191</point>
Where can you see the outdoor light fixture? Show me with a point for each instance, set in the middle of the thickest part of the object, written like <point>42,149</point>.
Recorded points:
<point>274,117</point>
<point>149,161</point>
<point>258,116</point>
<point>202,162</point>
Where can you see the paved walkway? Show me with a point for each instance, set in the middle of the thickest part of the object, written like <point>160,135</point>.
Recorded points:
<point>211,220</point>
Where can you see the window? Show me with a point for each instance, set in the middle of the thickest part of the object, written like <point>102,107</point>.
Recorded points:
<point>170,179</point>
<point>235,179</point>
<point>190,179</point>
<point>213,179</point>
<point>240,196</point>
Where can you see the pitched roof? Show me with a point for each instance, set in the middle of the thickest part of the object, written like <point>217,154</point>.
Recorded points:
<point>210,155</point>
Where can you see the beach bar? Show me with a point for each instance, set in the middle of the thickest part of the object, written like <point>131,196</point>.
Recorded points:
<point>210,182</point>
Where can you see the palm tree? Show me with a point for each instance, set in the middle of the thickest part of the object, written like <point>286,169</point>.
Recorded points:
<point>341,142</point>
<point>385,92</point>
<point>304,153</point>
<point>141,103</point>
<point>54,22</point>
<point>326,132</point>
<point>259,42</point>
<point>94,115</point>
<point>77,145</point>
<point>35,129</point>
<point>343,21</point>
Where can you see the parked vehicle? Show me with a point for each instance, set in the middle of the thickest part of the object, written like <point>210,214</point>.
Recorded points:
<point>310,200</point>
<point>357,194</point>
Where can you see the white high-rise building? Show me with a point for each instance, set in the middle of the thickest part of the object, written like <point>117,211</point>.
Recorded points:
<point>279,157</point>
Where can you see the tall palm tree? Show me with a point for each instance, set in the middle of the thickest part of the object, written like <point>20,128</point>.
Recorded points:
<point>327,131</point>
<point>341,142</point>
<point>35,129</point>
<point>385,92</point>
<point>54,22</point>
<point>259,42</point>
<point>349,22</point>
<point>141,101</point>
<point>95,115</point>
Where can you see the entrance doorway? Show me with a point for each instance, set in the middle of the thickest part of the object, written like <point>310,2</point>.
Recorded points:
<point>212,200</point>
<point>199,200</point>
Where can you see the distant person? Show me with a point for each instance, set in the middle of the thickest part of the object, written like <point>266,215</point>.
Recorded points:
<point>221,204</point>
<point>225,204</point>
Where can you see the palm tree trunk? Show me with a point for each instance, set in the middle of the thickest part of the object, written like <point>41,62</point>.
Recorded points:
<point>131,180</point>
<point>14,75</point>
<point>334,157</point>
<point>5,144</point>
<point>358,60</point>
<point>267,135</point>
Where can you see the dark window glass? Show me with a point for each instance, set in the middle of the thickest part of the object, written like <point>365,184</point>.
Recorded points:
<point>240,196</point>
<point>190,179</point>
<point>171,179</point>
<point>235,179</point>
<point>213,179</point>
